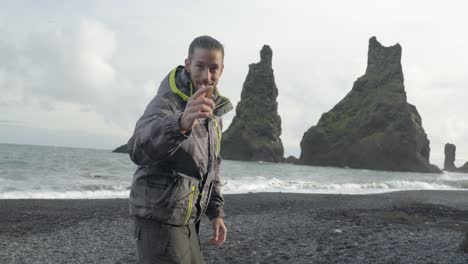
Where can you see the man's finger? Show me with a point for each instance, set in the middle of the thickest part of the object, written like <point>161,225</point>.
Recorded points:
<point>201,115</point>
<point>204,108</point>
<point>216,232</point>
<point>201,92</point>
<point>201,100</point>
<point>222,236</point>
<point>197,115</point>
<point>205,101</point>
<point>199,108</point>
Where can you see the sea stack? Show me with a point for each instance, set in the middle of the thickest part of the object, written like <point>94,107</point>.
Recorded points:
<point>254,134</point>
<point>373,126</point>
<point>121,149</point>
<point>449,162</point>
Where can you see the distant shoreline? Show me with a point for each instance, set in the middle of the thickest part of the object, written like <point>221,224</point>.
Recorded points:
<point>55,146</point>
<point>435,159</point>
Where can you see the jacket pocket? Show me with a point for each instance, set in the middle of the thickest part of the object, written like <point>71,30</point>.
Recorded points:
<point>160,190</point>
<point>184,200</point>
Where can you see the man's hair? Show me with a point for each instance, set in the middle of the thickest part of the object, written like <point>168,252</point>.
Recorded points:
<point>205,42</point>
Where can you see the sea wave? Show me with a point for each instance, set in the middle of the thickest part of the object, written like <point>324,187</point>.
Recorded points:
<point>350,185</point>
<point>277,185</point>
<point>238,187</point>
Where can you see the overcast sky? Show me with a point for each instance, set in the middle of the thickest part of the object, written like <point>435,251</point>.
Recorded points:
<point>80,73</point>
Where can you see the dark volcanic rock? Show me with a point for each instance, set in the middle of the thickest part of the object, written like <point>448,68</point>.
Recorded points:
<point>373,127</point>
<point>449,163</point>
<point>121,149</point>
<point>292,160</point>
<point>254,134</point>
<point>464,168</point>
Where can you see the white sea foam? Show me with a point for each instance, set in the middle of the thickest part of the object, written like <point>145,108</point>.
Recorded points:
<point>454,176</point>
<point>276,185</point>
<point>235,186</point>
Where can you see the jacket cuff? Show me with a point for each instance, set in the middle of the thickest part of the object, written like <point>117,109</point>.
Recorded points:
<point>217,212</point>
<point>173,128</point>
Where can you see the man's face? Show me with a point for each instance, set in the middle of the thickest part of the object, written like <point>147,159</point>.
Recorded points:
<point>205,67</point>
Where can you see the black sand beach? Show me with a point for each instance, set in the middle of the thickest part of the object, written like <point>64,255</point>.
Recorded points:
<point>402,227</point>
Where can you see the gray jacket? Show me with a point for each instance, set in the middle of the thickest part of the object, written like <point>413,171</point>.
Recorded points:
<point>177,179</point>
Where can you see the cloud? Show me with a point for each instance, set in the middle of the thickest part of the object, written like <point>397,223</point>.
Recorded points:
<point>10,122</point>
<point>97,46</point>
<point>71,65</point>
<point>59,68</point>
<point>68,67</point>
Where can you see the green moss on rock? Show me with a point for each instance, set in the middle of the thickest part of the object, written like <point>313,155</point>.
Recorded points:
<point>254,134</point>
<point>373,127</point>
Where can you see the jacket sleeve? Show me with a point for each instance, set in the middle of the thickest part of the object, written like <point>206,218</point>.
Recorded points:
<point>215,207</point>
<point>157,134</point>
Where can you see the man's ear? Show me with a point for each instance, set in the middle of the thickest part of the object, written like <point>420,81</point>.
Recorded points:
<point>187,65</point>
<point>222,69</point>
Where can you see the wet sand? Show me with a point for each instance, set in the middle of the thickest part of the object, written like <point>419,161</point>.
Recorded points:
<point>401,227</point>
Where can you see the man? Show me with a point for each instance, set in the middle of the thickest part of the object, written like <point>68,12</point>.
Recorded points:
<point>176,145</point>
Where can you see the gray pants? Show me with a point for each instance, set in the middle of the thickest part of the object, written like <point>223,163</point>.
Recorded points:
<point>157,242</point>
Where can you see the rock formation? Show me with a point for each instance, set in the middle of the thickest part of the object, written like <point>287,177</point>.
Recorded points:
<point>449,162</point>
<point>373,127</point>
<point>464,168</point>
<point>254,134</point>
<point>121,149</point>
<point>291,160</point>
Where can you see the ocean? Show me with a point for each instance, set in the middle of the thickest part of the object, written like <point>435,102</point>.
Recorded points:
<point>44,172</point>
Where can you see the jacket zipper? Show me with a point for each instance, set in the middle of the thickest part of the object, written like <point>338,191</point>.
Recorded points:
<point>189,209</point>
<point>218,136</point>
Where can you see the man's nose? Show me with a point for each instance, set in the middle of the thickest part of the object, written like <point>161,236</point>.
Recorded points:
<point>206,74</point>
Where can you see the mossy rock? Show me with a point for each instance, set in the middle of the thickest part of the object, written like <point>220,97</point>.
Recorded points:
<point>254,134</point>
<point>373,126</point>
